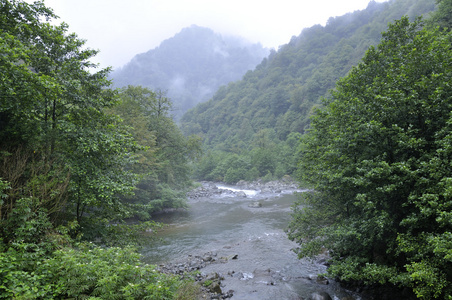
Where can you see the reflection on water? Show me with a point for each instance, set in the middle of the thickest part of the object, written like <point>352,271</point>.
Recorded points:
<point>228,225</point>
<point>208,224</point>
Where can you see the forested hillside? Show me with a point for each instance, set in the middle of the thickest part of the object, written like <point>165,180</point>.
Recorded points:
<point>191,66</point>
<point>254,120</point>
<point>378,157</point>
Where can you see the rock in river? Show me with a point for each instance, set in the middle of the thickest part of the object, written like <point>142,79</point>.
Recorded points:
<point>255,204</point>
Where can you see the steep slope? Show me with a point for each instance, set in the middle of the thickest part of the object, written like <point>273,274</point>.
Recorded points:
<point>278,97</point>
<point>191,66</point>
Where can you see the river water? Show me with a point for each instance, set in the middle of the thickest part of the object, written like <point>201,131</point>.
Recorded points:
<point>265,266</point>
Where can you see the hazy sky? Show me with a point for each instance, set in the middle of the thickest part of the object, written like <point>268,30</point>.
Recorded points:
<point>121,29</point>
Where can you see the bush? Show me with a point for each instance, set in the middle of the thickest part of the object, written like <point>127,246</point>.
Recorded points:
<point>38,262</point>
<point>378,156</point>
<point>110,273</point>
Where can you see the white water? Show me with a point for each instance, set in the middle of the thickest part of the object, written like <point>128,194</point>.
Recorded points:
<point>266,267</point>
<point>248,193</point>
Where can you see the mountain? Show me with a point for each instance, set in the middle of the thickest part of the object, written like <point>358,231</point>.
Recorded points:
<point>251,127</point>
<point>191,66</point>
<point>280,94</point>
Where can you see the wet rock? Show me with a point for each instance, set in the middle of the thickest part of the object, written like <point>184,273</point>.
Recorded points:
<point>209,189</point>
<point>322,280</point>
<point>213,276</point>
<point>215,288</point>
<point>245,276</point>
<point>320,296</point>
<point>318,279</point>
<point>266,190</point>
<point>323,258</point>
<point>226,258</point>
<point>242,183</point>
<point>255,204</point>
<point>264,276</point>
<point>228,294</point>
<point>207,258</point>
<point>211,283</point>
<point>240,194</point>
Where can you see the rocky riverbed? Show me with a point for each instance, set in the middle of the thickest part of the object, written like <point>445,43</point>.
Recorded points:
<point>231,240</point>
<point>209,270</point>
<point>244,189</point>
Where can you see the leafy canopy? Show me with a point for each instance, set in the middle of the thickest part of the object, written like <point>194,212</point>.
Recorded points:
<point>64,159</point>
<point>378,156</point>
<point>280,94</point>
<point>163,161</point>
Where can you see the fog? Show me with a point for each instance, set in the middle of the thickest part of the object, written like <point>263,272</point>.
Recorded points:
<point>121,29</point>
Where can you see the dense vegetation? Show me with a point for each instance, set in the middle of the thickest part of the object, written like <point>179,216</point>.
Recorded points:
<point>163,161</point>
<point>191,66</point>
<point>251,122</point>
<point>379,158</point>
<point>77,160</point>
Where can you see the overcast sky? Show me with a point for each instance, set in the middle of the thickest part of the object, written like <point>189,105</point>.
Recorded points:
<point>120,29</point>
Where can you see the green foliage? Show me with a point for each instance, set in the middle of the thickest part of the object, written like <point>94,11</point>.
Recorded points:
<point>58,144</point>
<point>65,159</point>
<point>61,141</point>
<point>378,156</point>
<point>442,17</point>
<point>38,261</point>
<point>188,290</point>
<point>278,97</point>
<point>27,239</point>
<point>260,162</point>
<point>112,273</point>
<point>163,161</point>
<point>82,273</point>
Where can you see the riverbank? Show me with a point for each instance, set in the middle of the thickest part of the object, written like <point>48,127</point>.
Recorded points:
<point>215,273</point>
<point>244,189</point>
<point>231,241</point>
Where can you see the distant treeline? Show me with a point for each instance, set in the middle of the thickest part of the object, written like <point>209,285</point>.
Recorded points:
<point>253,120</point>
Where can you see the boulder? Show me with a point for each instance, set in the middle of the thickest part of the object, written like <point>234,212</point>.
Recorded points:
<point>242,183</point>
<point>320,296</point>
<point>322,280</point>
<point>215,288</point>
<point>241,194</point>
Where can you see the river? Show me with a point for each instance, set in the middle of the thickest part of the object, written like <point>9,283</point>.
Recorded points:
<point>251,229</point>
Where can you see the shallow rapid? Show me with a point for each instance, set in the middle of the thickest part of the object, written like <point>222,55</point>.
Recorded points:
<point>250,228</point>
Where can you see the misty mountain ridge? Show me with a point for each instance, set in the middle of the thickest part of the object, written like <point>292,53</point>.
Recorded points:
<point>280,94</point>
<point>191,65</point>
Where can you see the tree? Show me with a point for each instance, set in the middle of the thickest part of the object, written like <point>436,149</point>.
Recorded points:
<point>54,120</point>
<point>63,160</point>
<point>443,15</point>
<point>379,157</point>
<point>163,161</point>
<point>281,93</point>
